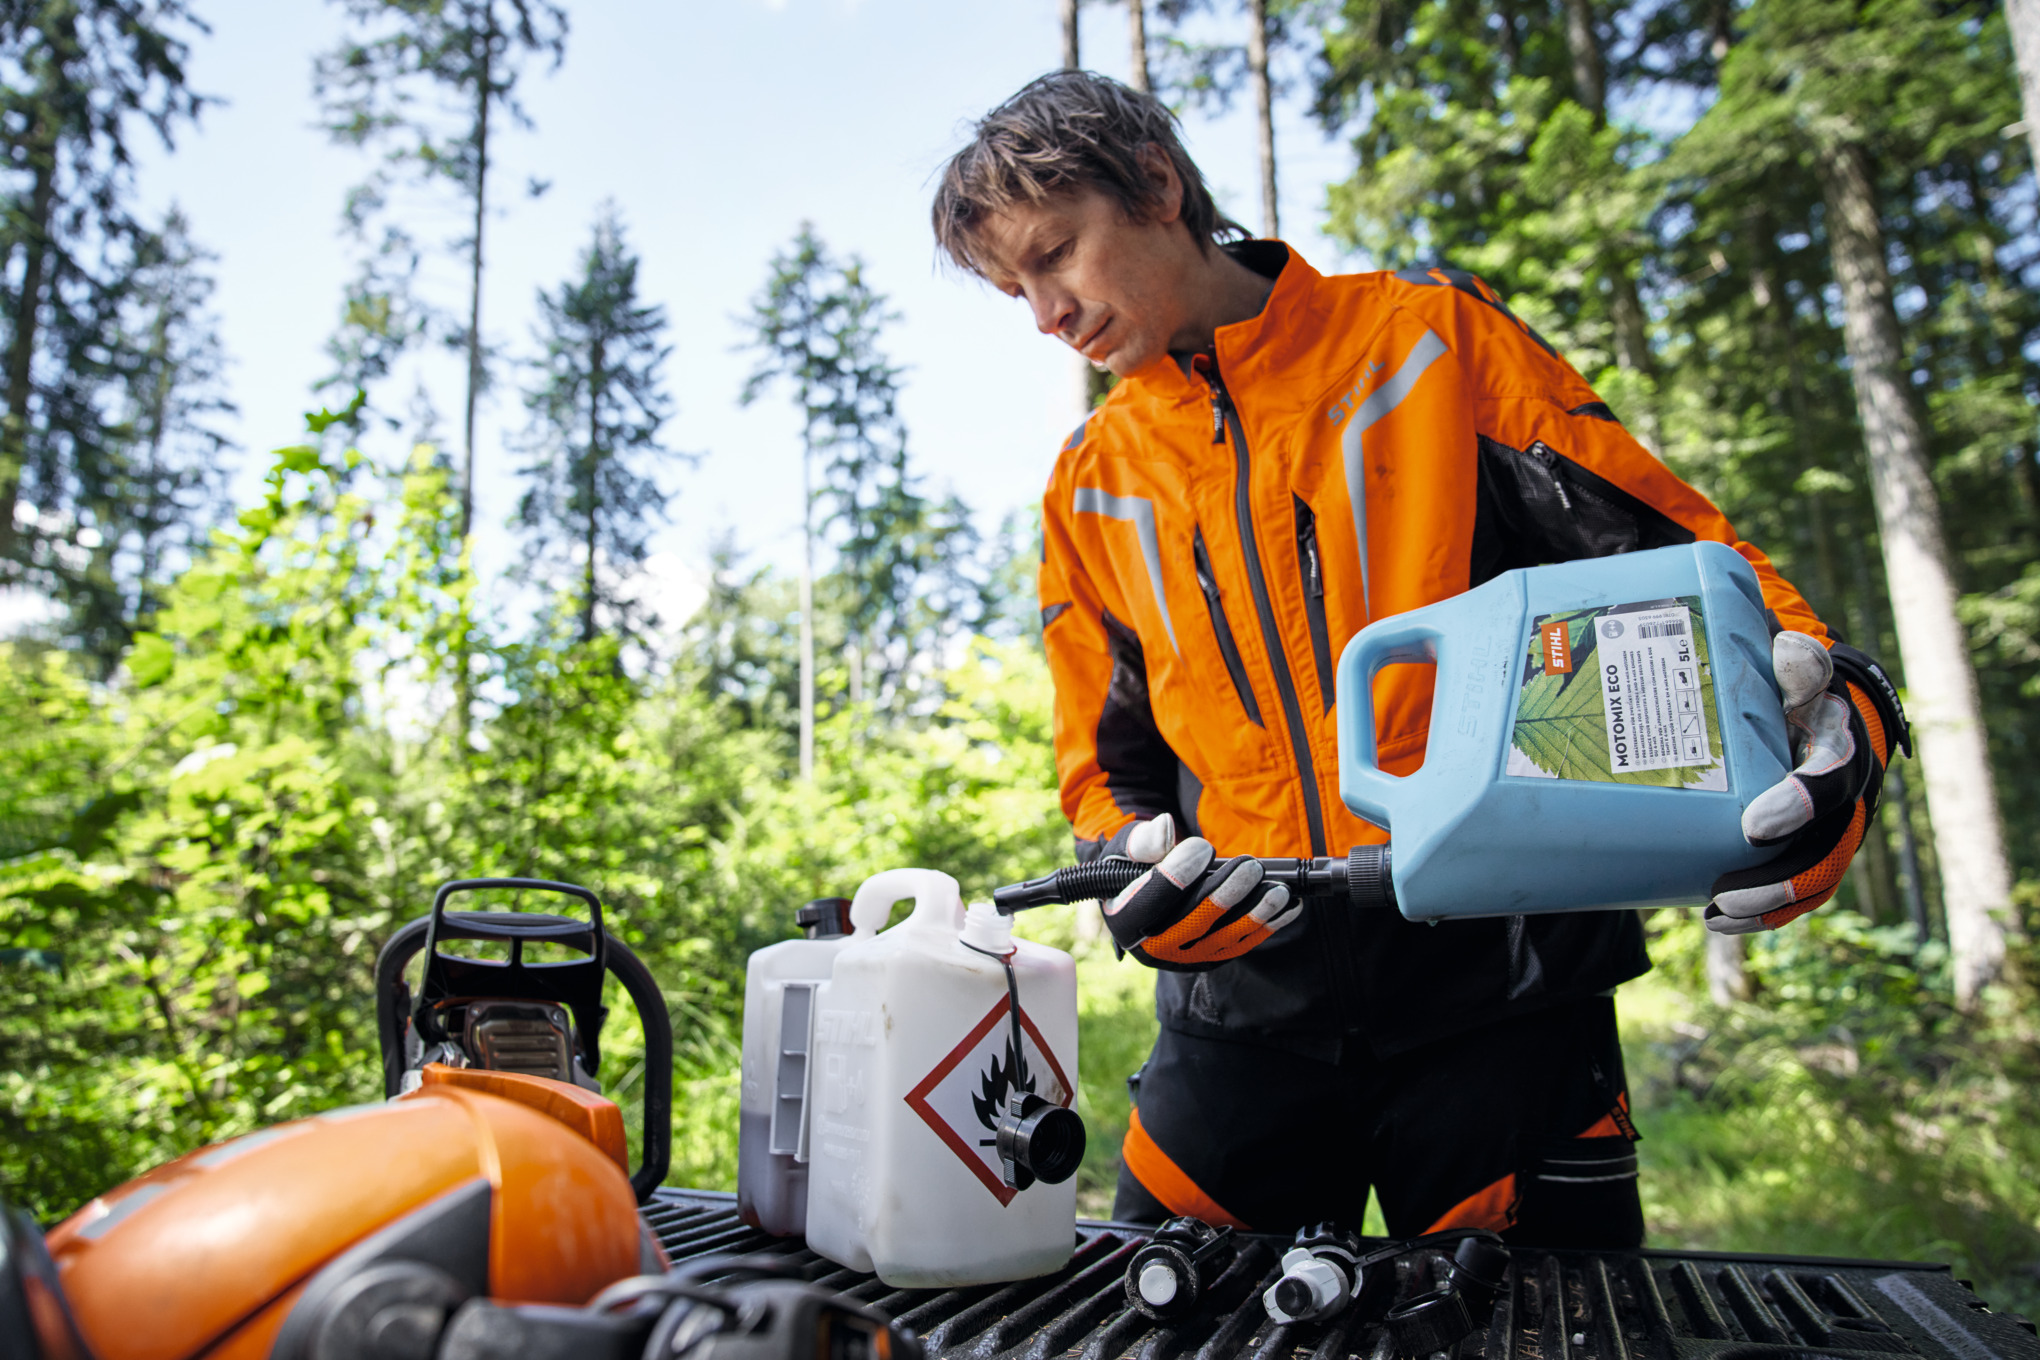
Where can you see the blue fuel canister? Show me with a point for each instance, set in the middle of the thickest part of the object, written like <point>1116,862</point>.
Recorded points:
<point>1597,729</point>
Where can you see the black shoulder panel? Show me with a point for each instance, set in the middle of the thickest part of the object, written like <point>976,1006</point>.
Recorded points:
<point>1537,506</point>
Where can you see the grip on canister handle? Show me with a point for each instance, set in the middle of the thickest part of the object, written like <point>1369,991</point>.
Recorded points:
<point>1367,789</point>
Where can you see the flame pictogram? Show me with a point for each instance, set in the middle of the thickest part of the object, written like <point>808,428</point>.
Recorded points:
<point>964,1095</point>
<point>998,1082</point>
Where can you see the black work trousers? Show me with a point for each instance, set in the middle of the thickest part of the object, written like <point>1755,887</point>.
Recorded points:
<point>1520,1126</point>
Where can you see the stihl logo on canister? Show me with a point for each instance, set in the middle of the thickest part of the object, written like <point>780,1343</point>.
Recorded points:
<point>1557,649</point>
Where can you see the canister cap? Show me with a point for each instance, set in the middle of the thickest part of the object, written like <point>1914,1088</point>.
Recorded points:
<point>825,918</point>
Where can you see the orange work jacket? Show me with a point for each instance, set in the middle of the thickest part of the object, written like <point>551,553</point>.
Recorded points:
<point>1216,532</point>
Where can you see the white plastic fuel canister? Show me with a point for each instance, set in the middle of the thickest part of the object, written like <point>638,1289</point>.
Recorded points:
<point>912,1066</point>
<point>772,1150</point>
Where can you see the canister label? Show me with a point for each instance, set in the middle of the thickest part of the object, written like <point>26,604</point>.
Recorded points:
<point>1620,694</point>
<point>962,1097</point>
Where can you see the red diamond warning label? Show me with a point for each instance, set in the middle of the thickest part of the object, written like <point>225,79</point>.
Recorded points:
<point>961,1099</point>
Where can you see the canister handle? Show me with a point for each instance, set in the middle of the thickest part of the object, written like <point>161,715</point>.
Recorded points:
<point>1368,790</point>
<point>938,901</point>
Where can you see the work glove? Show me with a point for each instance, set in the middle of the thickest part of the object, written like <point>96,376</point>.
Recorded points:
<point>1185,915</point>
<point>1845,720</point>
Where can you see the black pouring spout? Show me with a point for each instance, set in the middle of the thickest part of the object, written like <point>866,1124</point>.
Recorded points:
<point>1361,878</point>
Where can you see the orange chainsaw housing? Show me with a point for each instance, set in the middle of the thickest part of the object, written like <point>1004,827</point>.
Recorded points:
<point>206,1256</point>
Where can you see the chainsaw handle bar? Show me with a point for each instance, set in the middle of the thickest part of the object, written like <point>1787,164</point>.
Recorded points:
<point>1361,878</point>
<point>606,953</point>
<point>539,927</point>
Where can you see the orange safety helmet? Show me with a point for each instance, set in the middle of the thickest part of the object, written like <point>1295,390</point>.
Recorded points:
<point>505,1186</point>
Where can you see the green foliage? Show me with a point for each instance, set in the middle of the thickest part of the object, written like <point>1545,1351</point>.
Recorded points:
<point>201,856</point>
<point>1846,1111</point>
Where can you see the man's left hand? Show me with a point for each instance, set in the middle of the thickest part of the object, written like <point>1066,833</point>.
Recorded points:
<point>1845,720</point>
<point>1188,913</point>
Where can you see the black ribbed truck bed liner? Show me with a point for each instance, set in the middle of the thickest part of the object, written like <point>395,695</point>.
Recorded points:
<point>1559,1305</point>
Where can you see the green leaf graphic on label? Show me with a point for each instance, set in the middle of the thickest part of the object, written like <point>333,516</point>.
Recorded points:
<point>1559,727</point>
<point>1654,664</point>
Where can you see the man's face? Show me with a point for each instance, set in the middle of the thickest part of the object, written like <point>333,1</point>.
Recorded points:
<point>1114,290</point>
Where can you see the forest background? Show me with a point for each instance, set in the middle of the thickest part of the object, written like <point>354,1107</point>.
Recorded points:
<point>255,705</point>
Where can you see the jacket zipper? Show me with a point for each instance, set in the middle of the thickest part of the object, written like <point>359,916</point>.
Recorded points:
<point>1225,416</point>
<point>1314,598</point>
<point>1207,581</point>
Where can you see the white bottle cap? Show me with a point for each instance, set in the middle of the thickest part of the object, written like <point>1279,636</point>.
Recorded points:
<point>1157,1283</point>
<point>985,928</point>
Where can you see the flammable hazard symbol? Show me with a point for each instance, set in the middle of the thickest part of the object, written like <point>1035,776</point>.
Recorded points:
<point>962,1098</point>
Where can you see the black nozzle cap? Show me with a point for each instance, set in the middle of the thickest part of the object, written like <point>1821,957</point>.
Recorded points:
<point>824,918</point>
<point>1293,1297</point>
<point>1370,878</point>
<point>1483,1261</point>
<point>1431,1322</point>
<point>1038,1141</point>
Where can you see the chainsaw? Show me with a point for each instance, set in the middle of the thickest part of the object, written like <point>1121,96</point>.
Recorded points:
<point>487,1209</point>
<point>539,1018</point>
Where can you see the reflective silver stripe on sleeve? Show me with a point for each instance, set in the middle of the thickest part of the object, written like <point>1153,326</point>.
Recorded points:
<point>1378,404</point>
<point>1140,513</point>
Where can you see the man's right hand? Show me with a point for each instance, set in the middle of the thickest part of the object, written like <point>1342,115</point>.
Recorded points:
<point>1184,915</point>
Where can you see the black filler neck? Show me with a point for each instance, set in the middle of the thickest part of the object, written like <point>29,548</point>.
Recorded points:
<point>1361,878</point>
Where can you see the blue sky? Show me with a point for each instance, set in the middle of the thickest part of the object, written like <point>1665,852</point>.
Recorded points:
<point>716,129</point>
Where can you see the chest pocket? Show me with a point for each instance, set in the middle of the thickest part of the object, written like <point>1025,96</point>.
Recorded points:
<point>1221,627</point>
<point>1310,561</point>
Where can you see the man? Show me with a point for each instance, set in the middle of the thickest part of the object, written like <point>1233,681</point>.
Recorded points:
<point>1286,457</point>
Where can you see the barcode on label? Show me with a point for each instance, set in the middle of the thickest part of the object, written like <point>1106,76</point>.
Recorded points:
<point>1668,628</point>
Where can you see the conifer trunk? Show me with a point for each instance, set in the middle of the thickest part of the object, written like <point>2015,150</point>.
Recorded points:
<point>589,489</point>
<point>1136,34</point>
<point>1070,53</point>
<point>1941,681</point>
<point>807,603</point>
<point>1728,981</point>
<point>463,661</point>
<point>21,346</point>
<point>1264,111</point>
<point>1625,303</point>
<point>1590,71</point>
<point>2023,18</point>
<point>483,94</point>
<point>154,516</point>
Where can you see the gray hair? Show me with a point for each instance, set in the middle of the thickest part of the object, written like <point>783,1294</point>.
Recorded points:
<point>1062,133</point>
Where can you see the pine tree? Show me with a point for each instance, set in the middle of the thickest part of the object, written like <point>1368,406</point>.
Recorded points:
<point>1211,75</point>
<point>402,57</point>
<point>592,493</point>
<point>901,557</point>
<point>78,78</point>
<point>173,400</point>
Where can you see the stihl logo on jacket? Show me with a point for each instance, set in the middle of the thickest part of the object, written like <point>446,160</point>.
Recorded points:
<point>1219,529</point>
